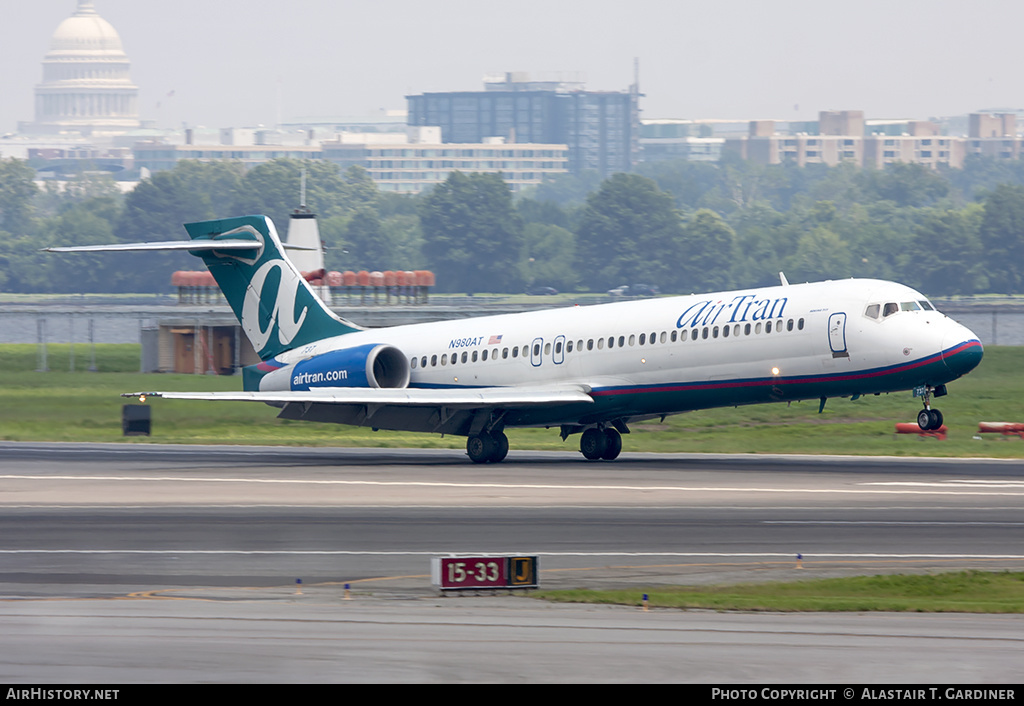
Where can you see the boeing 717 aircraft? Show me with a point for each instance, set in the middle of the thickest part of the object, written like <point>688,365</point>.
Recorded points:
<point>591,370</point>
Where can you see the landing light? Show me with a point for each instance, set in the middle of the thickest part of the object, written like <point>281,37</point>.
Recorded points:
<point>142,398</point>
<point>775,371</point>
<point>643,360</point>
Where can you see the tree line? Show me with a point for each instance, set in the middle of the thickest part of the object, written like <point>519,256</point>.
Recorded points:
<point>682,226</point>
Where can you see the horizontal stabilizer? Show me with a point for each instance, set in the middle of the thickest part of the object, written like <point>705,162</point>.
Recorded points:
<point>187,245</point>
<point>192,245</point>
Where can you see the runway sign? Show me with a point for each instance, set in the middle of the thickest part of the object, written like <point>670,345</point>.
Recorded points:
<point>453,573</point>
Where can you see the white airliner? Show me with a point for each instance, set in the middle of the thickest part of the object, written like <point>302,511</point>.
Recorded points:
<point>587,369</point>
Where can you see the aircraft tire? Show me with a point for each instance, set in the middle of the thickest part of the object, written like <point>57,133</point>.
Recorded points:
<point>924,420</point>
<point>936,419</point>
<point>480,448</point>
<point>592,444</point>
<point>500,447</point>
<point>613,445</point>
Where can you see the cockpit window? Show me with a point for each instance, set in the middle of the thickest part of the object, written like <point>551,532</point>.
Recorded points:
<point>872,311</point>
<point>909,306</point>
<point>890,309</point>
<point>926,306</point>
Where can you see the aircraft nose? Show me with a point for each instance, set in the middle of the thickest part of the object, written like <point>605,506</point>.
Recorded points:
<point>961,349</point>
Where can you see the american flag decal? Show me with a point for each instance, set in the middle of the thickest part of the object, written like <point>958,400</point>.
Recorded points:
<point>493,340</point>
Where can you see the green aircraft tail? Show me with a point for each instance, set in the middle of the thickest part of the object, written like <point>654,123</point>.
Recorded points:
<point>277,308</point>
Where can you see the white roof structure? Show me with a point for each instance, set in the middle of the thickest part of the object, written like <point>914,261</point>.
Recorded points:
<point>86,85</point>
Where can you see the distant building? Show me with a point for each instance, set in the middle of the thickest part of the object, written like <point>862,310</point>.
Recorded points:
<point>414,163</point>
<point>847,136</point>
<point>86,86</point>
<point>600,128</point>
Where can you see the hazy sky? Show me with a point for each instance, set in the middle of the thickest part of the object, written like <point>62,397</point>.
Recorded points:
<point>240,62</point>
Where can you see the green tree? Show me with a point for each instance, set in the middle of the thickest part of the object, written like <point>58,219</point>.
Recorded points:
<point>274,189</point>
<point>17,190</point>
<point>1002,238</point>
<point>548,255</point>
<point>472,234</point>
<point>947,252</point>
<point>707,254</point>
<point>628,233</point>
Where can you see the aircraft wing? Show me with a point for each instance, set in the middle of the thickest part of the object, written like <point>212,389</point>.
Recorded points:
<point>468,397</point>
<point>446,411</point>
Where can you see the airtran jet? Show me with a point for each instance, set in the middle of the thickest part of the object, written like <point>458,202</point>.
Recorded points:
<point>591,370</point>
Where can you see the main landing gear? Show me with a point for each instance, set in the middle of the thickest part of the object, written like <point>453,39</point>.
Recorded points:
<point>597,444</point>
<point>487,447</point>
<point>930,419</point>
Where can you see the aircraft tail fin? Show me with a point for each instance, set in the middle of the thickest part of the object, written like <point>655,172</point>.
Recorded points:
<point>276,306</point>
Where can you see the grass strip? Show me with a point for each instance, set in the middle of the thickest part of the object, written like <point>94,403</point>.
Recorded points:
<point>953,592</point>
<point>85,406</point>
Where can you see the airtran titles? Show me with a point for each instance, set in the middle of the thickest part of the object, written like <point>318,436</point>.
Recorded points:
<point>745,307</point>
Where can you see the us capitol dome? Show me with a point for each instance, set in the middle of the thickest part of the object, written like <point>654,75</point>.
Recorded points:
<point>86,85</point>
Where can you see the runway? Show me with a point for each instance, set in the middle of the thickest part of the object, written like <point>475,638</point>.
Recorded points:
<point>228,531</point>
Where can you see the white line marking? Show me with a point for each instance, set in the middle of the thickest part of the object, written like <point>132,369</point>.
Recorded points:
<point>518,552</point>
<point>951,490</point>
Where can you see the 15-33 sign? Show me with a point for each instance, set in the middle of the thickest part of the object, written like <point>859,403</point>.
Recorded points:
<point>481,572</point>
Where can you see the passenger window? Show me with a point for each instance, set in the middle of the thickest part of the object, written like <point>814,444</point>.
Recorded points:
<point>433,361</point>
<point>536,349</point>
<point>444,359</point>
<point>465,356</point>
<point>767,326</point>
<point>682,335</point>
<point>672,336</point>
<point>474,357</point>
<point>622,341</point>
<point>632,339</point>
<point>651,339</point>
<point>412,363</point>
<point>590,344</point>
<point>611,341</point>
<point>757,328</point>
<point>746,329</point>
<point>725,332</point>
<point>800,324</point>
<point>789,325</point>
<point>890,309</point>
<point>643,338</point>
<point>483,356</point>
<point>704,333</point>
<point>526,351</point>
<point>736,330</point>
<point>600,344</point>
<point>662,337</point>
<point>714,332</point>
<point>872,311</point>
<point>547,349</point>
<point>515,352</point>
<point>778,326</point>
<point>558,347</point>
<point>568,347</point>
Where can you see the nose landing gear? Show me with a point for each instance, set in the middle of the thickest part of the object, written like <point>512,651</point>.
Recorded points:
<point>930,419</point>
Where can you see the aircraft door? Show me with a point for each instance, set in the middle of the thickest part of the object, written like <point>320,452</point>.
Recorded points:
<point>537,352</point>
<point>837,335</point>
<point>558,354</point>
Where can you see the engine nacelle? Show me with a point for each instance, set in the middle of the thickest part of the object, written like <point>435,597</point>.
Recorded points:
<point>371,365</point>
